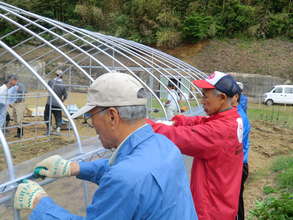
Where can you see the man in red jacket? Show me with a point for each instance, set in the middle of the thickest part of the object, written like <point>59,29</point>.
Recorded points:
<point>215,142</point>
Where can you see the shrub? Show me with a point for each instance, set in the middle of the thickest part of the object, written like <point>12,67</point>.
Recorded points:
<point>198,27</point>
<point>168,38</point>
<point>274,208</point>
<point>278,24</point>
<point>169,19</point>
<point>236,18</point>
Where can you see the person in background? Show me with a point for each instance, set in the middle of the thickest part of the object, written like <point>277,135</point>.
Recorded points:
<point>10,82</point>
<point>52,105</point>
<point>171,106</point>
<point>145,178</point>
<point>215,143</point>
<point>243,102</point>
<point>18,106</point>
<point>246,131</point>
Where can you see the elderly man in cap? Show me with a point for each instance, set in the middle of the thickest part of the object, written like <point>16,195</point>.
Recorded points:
<point>52,105</point>
<point>144,179</point>
<point>215,142</point>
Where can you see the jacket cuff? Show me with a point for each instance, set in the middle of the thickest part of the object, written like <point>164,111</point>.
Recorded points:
<point>85,169</point>
<point>42,207</point>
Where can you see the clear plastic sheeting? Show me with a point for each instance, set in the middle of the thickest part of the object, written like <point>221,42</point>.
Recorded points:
<point>47,47</point>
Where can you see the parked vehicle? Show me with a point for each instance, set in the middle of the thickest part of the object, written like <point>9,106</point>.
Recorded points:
<point>280,94</point>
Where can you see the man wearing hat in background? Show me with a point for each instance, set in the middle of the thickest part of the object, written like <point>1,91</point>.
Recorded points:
<point>246,131</point>
<point>145,178</point>
<point>243,101</point>
<point>4,101</point>
<point>52,105</point>
<point>172,100</point>
<point>18,106</point>
<point>215,142</point>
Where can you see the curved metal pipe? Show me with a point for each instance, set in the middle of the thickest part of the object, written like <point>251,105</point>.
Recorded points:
<point>154,52</point>
<point>10,167</point>
<point>144,60</point>
<point>48,43</point>
<point>21,60</point>
<point>129,70</point>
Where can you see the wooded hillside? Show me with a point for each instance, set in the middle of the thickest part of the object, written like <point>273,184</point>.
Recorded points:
<point>167,23</point>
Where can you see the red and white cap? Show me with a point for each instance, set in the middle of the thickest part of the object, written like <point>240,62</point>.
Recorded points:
<point>220,81</point>
<point>211,81</point>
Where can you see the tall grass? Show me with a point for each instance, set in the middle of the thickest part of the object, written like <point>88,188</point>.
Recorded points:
<point>278,114</point>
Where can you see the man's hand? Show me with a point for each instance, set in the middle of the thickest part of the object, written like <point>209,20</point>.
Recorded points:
<point>54,166</point>
<point>28,194</point>
<point>178,120</point>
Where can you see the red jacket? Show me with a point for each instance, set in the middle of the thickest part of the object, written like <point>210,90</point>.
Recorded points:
<point>215,142</point>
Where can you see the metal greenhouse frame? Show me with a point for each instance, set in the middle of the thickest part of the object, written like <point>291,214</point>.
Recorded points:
<point>86,54</point>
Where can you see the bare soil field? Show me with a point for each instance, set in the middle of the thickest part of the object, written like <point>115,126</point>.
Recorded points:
<point>268,141</point>
<point>39,146</point>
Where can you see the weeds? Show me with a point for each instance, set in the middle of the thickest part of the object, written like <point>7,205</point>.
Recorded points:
<point>278,205</point>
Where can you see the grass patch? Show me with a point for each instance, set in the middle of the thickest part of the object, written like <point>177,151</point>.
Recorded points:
<point>285,179</point>
<point>284,167</point>
<point>282,163</point>
<point>277,114</point>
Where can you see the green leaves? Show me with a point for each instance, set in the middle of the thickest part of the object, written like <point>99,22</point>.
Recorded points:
<point>199,27</point>
<point>167,22</point>
<point>280,208</point>
<point>278,205</point>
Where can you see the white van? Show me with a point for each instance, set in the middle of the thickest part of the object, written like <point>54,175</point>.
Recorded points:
<point>280,94</point>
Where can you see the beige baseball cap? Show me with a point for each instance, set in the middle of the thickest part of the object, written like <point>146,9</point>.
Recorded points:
<point>113,89</point>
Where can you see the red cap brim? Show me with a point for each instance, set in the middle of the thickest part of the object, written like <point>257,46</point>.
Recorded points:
<point>203,84</point>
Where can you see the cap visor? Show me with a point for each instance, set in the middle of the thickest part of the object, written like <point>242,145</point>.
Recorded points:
<point>82,111</point>
<point>203,84</point>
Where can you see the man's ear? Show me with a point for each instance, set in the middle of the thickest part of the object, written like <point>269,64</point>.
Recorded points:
<point>113,116</point>
<point>223,96</point>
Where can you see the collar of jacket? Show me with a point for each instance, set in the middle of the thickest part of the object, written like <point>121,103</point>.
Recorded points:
<point>132,141</point>
<point>229,112</point>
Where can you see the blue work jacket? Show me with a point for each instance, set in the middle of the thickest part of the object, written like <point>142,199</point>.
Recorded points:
<point>243,102</point>
<point>246,132</point>
<point>147,181</point>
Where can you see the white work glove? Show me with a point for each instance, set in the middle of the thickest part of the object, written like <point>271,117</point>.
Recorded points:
<point>26,194</point>
<point>54,166</point>
<point>165,122</point>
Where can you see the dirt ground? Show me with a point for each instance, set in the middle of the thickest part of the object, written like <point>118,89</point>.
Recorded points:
<point>37,146</point>
<point>267,142</point>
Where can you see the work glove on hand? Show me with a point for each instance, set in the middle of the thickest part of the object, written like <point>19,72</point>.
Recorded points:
<point>54,166</point>
<point>169,123</point>
<point>26,194</point>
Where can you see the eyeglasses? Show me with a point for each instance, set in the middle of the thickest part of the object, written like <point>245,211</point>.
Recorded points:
<point>88,116</point>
